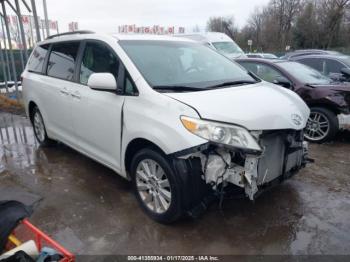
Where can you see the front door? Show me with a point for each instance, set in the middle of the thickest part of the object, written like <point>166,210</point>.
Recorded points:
<point>97,114</point>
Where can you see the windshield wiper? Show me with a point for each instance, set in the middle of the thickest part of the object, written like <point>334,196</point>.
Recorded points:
<point>232,83</point>
<point>177,88</point>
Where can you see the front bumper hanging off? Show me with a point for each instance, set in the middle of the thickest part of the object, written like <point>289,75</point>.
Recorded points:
<point>284,154</point>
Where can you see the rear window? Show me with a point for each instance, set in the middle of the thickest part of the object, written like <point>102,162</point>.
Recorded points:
<point>62,60</point>
<point>36,61</point>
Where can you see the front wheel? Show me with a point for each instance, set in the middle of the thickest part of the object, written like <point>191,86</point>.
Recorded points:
<point>156,187</point>
<point>321,126</point>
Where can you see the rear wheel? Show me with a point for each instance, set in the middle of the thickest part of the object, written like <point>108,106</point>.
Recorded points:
<point>321,126</point>
<point>156,187</point>
<point>39,128</point>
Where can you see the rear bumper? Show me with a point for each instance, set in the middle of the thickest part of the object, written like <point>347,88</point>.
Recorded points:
<point>344,122</point>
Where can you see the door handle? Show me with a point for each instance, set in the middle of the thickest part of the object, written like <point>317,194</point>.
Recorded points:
<point>76,95</point>
<point>64,91</point>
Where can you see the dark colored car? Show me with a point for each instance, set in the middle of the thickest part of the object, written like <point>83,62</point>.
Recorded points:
<point>305,52</point>
<point>329,101</point>
<point>336,67</point>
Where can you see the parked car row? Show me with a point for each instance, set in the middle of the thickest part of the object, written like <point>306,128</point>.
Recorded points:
<point>329,101</point>
<point>320,78</point>
<point>178,119</point>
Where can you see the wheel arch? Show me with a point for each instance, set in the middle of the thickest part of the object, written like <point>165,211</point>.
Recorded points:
<point>136,145</point>
<point>31,106</point>
<point>330,107</point>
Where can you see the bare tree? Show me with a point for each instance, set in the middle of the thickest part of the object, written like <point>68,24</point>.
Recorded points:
<point>331,15</point>
<point>297,23</point>
<point>255,24</point>
<point>222,24</point>
<point>306,29</point>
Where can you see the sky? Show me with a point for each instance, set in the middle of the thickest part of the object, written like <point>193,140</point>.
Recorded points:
<point>105,15</point>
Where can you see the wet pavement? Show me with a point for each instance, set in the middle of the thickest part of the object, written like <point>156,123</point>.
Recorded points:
<point>91,210</point>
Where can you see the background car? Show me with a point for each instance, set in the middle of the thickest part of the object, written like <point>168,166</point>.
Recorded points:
<point>218,41</point>
<point>262,55</point>
<point>335,66</point>
<point>329,101</point>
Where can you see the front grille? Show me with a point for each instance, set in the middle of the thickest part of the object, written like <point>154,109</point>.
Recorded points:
<point>282,152</point>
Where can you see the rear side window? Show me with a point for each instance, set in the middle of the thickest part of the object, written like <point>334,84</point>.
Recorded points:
<point>313,62</point>
<point>98,58</point>
<point>333,66</point>
<point>62,60</point>
<point>36,61</point>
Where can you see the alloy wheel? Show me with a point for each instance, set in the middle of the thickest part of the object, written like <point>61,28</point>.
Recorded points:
<point>317,127</point>
<point>153,186</point>
<point>39,128</point>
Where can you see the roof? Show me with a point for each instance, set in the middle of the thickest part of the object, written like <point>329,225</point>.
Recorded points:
<point>208,37</point>
<point>81,35</point>
<point>262,60</point>
<point>322,56</point>
<point>149,37</point>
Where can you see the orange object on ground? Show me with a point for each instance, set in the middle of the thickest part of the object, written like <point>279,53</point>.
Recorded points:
<point>27,231</point>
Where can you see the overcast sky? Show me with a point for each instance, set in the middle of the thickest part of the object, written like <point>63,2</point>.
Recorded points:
<point>106,15</point>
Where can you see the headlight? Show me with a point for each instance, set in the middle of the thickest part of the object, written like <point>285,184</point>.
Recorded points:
<point>231,135</point>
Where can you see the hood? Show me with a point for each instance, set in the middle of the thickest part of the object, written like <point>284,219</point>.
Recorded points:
<point>342,87</point>
<point>261,106</point>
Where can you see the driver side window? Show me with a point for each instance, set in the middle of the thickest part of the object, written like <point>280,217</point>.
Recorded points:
<point>98,58</point>
<point>267,73</point>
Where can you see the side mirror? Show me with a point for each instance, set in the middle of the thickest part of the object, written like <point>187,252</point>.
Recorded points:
<point>345,72</point>
<point>102,81</point>
<point>282,81</point>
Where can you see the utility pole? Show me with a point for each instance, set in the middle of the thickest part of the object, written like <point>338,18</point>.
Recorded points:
<point>46,19</point>
<point>36,21</point>
<point>5,48</point>
<point>24,42</point>
<point>11,51</point>
<point>4,68</point>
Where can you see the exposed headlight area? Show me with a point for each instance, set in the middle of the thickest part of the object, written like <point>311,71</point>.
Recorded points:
<point>284,154</point>
<point>225,134</point>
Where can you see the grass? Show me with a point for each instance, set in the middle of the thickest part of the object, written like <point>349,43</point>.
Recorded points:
<point>11,105</point>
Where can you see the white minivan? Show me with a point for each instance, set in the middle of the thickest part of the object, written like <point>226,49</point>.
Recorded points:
<point>219,42</point>
<point>179,120</point>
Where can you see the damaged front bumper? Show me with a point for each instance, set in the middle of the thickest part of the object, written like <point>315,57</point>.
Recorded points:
<point>344,122</point>
<point>284,154</point>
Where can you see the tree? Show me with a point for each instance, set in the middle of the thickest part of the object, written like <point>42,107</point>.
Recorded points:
<point>306,28</point>
<point>255,24</point>
<point>331,16</point>
<point>222,24</point>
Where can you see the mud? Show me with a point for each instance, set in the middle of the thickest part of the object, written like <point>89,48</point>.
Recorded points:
<point>91,210</point>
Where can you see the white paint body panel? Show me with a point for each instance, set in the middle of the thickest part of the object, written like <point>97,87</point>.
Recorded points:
<point>261,106</point>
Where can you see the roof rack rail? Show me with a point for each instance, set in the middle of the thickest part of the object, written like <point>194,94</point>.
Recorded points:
<point>71,33</point>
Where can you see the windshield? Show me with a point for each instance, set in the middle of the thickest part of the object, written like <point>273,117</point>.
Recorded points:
<point>179,63</point>
<point>305,74</point>
<point>346,60</point>
<point>228,47</point>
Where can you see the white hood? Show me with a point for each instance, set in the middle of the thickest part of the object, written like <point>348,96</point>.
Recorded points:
<point>261,106</point>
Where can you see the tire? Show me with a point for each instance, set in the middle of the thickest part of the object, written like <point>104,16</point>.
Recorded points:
<point>151,189</point>
<point>39,129</point>
<point>322,125</point>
